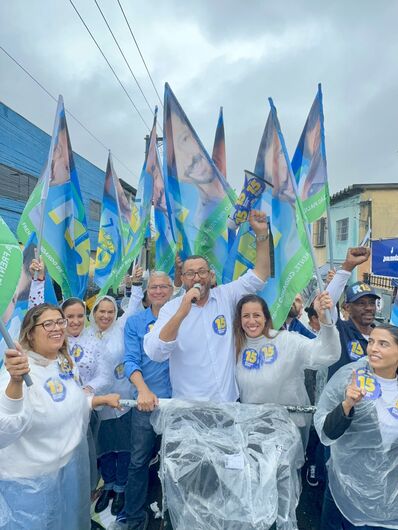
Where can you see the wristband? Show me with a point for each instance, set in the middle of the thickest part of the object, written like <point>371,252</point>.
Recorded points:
<point>262,237</point>
<point>136,284</point>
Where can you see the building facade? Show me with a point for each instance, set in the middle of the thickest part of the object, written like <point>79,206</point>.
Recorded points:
<point>354,211</point>
<point>23,154</point>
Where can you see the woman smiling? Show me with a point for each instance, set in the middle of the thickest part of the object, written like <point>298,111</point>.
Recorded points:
<point>358,417</point>
<point>44,471</point>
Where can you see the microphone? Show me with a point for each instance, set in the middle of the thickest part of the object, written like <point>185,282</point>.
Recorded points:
<point>197,286</point>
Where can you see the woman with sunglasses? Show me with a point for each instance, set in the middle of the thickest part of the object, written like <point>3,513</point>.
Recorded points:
<point>357,417</point>
<point>113,443</point>
<point>44,470</point>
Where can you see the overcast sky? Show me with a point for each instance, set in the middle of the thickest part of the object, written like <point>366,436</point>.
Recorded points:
<point>213,52</point>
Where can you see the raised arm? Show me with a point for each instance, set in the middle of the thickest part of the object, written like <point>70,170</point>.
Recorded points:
<point>258,223</point>
<point>325,349</point>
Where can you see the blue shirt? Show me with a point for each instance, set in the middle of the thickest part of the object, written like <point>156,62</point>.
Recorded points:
<point>155,375</point>
<point>296,325</point>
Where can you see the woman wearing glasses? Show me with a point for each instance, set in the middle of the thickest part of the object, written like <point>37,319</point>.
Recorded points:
<point>44,471</point>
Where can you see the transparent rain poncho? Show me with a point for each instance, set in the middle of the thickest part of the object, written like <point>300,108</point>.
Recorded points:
<point>363,467</point>
<point>229,466</point>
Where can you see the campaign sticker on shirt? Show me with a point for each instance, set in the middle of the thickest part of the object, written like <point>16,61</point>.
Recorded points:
<point>119,371</point>
<point>77,352</point>
<point>55,388</point>
<point>150,326</point>
<point>366,381</point>
<point>252,359</point>
<point>219,325</point>
<point>355,350</point>
<point>270,353</point>
<point>394,410</point>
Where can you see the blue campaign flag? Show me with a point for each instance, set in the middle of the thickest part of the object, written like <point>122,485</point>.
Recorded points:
<point>198,197</point>
<point>385,257</point>
<point>242,252</point>
<point>309,164</point>
<point>114,227</point>
<point>219,156</point>
<point>165,247</point>
<point>291,259</point>
<point>55,213</point>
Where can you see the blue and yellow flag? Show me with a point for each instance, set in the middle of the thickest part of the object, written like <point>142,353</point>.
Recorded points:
<point>292,261</point>
<point>309,164</point>
<point>219,156</point>
<point>293,266</point>
<point>198,196</point>
<point>165,247</point>
<point>114,227</point>
<point>55,213</point>
<point>134,231</point>
<point>242,253</point>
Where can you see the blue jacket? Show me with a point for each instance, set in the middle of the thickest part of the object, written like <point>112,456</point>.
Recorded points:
<point>353,344</point>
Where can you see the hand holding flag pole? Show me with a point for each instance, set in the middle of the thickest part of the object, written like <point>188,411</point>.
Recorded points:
<point>11,345</point>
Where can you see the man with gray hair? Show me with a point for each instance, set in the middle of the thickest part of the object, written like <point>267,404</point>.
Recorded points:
<point>151,382</point>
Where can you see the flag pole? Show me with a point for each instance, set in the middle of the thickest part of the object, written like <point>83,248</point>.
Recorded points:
<point>11,345</point>
<point>298,202</point>
<point>330,238</point>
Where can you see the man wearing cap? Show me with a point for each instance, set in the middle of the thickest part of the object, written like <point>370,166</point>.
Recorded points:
<point>354,332</point>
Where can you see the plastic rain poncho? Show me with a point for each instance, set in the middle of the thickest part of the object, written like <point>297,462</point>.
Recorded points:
<point>229,466</point>
<point>44,466</point>
<point>363,467</point>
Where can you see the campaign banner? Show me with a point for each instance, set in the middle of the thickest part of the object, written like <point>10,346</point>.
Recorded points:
<point>385,257</point>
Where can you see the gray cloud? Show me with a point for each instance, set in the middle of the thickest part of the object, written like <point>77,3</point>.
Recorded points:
<point>228,53</point>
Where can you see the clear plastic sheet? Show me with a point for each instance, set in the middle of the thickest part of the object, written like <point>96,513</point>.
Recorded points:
<point>362,469</point>
<point>55,501</point>
<point>229,466</point>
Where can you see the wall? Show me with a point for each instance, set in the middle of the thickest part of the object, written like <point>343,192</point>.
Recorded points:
<point>25,147</point>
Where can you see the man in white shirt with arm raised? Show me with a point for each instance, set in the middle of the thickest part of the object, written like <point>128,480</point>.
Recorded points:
<point>195,331</point>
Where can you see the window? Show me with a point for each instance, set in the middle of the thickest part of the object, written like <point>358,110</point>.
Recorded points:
<point>95,210</point>
<point>15,184</point>
<point>319,233</point>
<point>342,229</point>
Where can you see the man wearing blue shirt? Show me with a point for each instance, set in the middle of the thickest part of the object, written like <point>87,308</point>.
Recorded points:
<point>151,381</point>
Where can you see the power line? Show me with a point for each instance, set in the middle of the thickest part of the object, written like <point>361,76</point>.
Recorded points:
<point>124,57</point>
<point>68,111</point>
<point>139,51</point>
<point>109,64</point>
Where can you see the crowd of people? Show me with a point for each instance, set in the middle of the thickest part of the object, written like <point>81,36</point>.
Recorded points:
<point>201,342</point>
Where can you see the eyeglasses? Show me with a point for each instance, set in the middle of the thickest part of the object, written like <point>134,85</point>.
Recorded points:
<point>202,273</point>
<point>49,325</point>
<point>161,287</point>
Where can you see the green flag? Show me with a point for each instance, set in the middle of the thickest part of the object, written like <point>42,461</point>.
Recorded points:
<point>10,265</point>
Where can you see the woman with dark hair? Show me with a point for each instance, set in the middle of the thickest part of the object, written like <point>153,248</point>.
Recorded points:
<point>86,350</point>
<point>44,467</point>
<point>270,364</point>
<point>358,417</point>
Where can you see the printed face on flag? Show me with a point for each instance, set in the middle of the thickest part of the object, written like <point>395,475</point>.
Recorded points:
<point>312,159</point>
<point>276,170</point>
<point>60,167</point>
<point>192,165</point>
